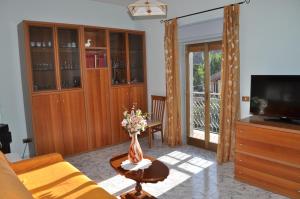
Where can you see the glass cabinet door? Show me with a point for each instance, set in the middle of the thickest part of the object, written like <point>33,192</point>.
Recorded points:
<point>69,61</point>
<point>118,58</point>
<point>136,58</point>
<point>42,58</point>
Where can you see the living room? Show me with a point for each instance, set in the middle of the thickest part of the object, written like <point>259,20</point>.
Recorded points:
<point>70,68</point>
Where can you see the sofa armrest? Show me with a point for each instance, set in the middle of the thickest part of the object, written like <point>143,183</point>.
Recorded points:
<point>35,162</point>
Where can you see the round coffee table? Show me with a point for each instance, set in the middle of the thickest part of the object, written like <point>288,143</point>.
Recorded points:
<point>158,171</point>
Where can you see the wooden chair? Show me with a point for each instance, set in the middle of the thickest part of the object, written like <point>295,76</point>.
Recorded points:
<point>155,123</point>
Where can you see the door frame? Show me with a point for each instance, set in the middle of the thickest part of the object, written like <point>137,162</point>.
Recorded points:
<point>205,47</point>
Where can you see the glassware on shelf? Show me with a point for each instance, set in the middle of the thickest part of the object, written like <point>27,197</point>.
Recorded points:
<point>69,58</point>
<point>42,58</point>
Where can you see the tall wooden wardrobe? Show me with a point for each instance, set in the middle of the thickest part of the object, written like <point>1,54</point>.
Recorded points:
<point>80,80</point>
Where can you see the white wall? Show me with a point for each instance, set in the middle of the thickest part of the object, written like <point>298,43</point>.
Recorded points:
<point>269,39</point>
<point>12,12</point>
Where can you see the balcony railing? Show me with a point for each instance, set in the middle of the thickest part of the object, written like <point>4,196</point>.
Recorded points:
<point>199,111</point>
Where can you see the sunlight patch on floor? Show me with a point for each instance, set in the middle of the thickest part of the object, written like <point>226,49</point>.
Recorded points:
<point>168,160</point>
<point>200,162</point>
<point>174,179</point>
<point>179,155</point>
<point>115,184</point>
<point>190,168</point>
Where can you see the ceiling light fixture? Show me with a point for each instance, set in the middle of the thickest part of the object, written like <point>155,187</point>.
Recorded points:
<point>148,8</point>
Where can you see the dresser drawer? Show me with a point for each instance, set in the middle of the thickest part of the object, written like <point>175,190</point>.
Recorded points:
<point>269,182</point>
<point>269,136</point>
<point>268,167</point>
<point>279,154</point>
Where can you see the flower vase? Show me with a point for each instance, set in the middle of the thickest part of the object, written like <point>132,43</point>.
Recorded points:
<point>135,153</point>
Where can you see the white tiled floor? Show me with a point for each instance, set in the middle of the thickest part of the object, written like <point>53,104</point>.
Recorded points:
<point>193,174</point>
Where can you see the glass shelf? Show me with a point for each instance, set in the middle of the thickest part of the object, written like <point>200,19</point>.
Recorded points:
<point>42,58</point>
<point>136,58</point>
<point>118,58</point>
<point>69,58</point>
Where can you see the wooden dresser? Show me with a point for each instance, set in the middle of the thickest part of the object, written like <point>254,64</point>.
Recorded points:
<point>268,155</point>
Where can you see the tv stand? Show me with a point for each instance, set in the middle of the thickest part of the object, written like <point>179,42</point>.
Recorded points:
<point>268,155</point>
<point>283,120</point>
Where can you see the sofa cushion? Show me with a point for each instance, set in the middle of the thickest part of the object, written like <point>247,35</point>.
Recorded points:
<point>61,180</point>
<point>10,185</point>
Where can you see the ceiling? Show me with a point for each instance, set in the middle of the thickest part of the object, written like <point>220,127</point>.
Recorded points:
<point>117,2</point>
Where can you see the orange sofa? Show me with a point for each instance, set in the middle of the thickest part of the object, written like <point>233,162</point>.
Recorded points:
<point>46,177</point>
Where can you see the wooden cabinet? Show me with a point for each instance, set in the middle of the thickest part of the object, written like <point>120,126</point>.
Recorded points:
<point>81,79</point>
<point>138,97</point>
<point>59,123</point>
<point>97,87</point>
<point>127,76</point>
<point>120,102</point>
<point>98,109</point>
<point>74,122</point>
<point>268,155</point>
<point>53,59</point>
<point>47,124</point>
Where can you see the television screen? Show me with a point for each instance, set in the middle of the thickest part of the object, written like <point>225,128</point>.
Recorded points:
<point>275,95</point>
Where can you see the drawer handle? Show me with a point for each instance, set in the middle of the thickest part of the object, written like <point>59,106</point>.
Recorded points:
<point>241,144</point>
<point>240,160</point>
<point>298,191</point>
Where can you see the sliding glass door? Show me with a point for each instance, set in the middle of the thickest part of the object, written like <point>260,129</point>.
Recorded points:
<point>203,93</point>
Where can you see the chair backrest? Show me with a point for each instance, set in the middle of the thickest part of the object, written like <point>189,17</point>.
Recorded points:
<point>158,107</point>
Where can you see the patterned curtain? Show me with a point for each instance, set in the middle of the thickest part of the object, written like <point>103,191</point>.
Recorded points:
<point>173,103</point>
<point>230,93</point>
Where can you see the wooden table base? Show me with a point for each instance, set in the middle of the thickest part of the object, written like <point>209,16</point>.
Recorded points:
<point>132,195</point>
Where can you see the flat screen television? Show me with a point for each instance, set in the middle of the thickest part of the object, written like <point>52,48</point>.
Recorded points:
<point>276,96</point>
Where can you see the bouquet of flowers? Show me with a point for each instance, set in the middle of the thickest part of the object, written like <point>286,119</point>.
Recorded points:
<point>134,121</point>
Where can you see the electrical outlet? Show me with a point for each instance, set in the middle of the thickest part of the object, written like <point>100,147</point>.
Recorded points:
<point>27,140</point>
<point>245,98</point>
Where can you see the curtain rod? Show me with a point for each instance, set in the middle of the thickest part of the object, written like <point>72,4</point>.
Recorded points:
<point>196,13</point>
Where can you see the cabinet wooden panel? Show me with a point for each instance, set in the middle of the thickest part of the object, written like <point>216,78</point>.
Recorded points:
<point>267,181</point>
<point>270,151</point>
<point>47,124</point>
<point>138,97</point>
<point>268,167</point>
<point>119,103</point>
<point>269,136</point>
<point>98,109</point>
<point>74,122</point>
<point>268,155</point>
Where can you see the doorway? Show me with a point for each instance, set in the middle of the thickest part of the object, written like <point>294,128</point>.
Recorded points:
<point>203,63</point>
